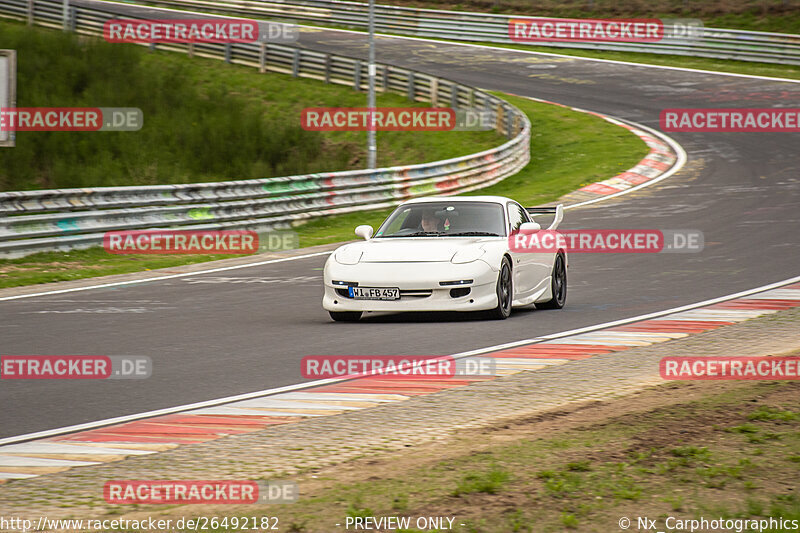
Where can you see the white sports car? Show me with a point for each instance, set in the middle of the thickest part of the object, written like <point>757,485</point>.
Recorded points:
<point>446,254</point>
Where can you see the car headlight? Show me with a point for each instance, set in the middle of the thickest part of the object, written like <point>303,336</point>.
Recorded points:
<point>347,255</point>
<point>468,255</point>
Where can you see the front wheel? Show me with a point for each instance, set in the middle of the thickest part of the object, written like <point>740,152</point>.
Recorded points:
<point>505,292</point>
<point>345,316</point>
<point>558,285</point>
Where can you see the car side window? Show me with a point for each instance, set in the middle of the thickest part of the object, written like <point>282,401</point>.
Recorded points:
<point>516,216</point>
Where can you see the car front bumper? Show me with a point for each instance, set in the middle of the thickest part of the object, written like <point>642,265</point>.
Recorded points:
<point>419,285</point>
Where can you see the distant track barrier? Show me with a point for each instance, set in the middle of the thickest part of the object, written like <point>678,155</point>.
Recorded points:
<point>717,43</point>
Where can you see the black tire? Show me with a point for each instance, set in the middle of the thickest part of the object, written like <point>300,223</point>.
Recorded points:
<point>558,285</point>
<point>505,292</point>
<point>345,316</point>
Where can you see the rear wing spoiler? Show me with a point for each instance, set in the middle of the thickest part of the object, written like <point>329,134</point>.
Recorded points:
<point>557,211</point>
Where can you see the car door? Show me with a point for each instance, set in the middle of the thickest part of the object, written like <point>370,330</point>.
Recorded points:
<point>524,268</point>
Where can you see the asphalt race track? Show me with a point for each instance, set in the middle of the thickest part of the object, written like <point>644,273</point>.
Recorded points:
<point>220,334</point>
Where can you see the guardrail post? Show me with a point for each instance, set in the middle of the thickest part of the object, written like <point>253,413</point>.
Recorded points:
<point>357,76</point>
<point>500,120</point>
<point>454,95</point>
<point>262,57</point>
<point>411,88</point>
<point>228,51</point>
<point>30,12</point>
<point>327,68</point>
<point>434,92</point>
<point>471,98</point>
<point>152,47</point>
<point>385,81</point>
<point>296,63</point>
<point>190,49</point>
<point>73,19</point>
<point>65,15</point>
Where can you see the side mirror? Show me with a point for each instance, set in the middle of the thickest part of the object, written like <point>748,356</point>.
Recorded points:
<point>365,231</point>
<point>530,226</point>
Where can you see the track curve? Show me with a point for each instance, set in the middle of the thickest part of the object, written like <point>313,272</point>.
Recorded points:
<point>220,334</point>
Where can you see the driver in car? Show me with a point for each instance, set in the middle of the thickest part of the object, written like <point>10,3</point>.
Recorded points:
<point>430,222</point>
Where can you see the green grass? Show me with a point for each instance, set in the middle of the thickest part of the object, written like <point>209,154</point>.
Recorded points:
<point>568,150</point>
<point>489,482</point>
<point>204,120</point>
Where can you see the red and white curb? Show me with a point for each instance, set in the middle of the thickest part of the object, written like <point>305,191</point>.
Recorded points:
<point>31,456</point>
<point>659,160</point>
<point>665,156</point>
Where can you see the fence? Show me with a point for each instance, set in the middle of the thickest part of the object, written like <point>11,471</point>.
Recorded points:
<point>483,27</point>
<point>32,221</point>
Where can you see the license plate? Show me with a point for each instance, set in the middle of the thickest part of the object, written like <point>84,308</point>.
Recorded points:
<point>374,293</point>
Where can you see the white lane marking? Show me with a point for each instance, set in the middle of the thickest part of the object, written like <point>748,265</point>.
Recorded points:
<point>341,396</point>
<point>16,460</point>
<point>102,310</point>
<point>271,402</point>
<point>67,449</point>
<point>235,411</point>
<point>517,362</point>
<point>633,335</point>
<point>605,342</point>
<point>718,315</point>
<point>254,279</point>
<point>781,294</point>
<point>296,388</point>
<point>160,278</point>
<point>15,475</point>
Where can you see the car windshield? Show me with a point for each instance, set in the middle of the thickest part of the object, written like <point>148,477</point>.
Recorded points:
<point>443,219</point>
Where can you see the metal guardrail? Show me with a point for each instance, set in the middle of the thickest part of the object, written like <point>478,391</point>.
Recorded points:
<point>484,27</point>
<point>63,219</point>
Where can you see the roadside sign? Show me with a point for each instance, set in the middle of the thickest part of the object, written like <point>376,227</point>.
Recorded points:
<point>8,89</point>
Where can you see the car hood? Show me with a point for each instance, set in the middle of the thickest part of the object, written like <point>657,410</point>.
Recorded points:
<point>416,250</point>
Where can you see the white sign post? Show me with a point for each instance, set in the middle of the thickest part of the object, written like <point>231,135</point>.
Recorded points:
<point>8,91</point>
